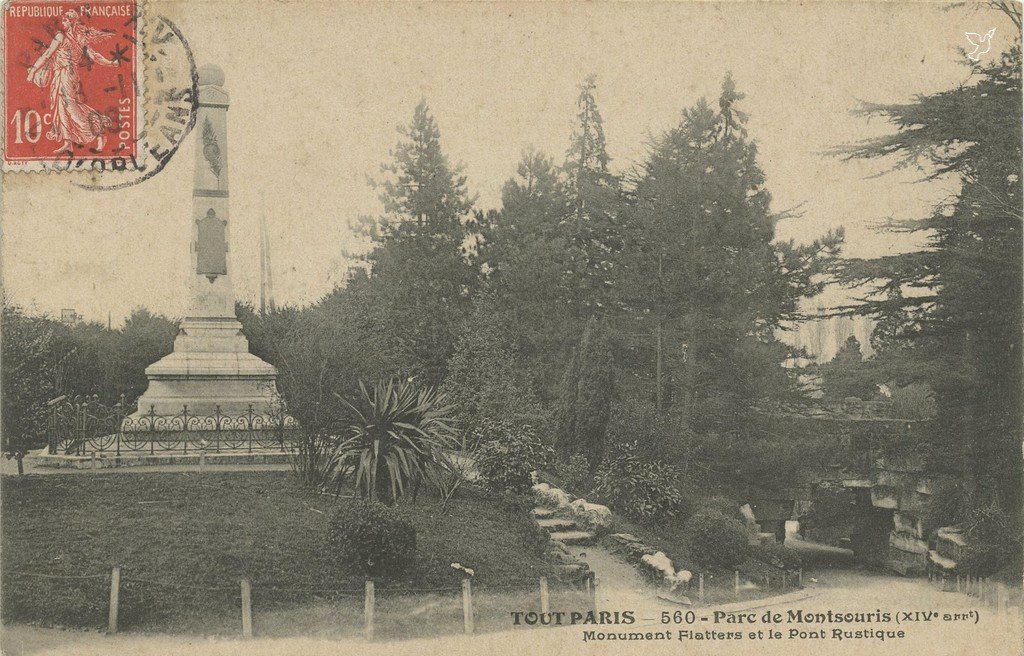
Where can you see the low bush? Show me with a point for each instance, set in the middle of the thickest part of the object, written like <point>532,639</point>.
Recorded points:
<point>993,541</point>
<point>716,539</point>
<point>374,539</point>
<point>508,454</point>
<point>314,459</point>
<point>643,489</point>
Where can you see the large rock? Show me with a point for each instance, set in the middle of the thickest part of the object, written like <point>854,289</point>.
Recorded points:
<point>907,543</point>
<point>551,497</point>
<point>624,538</point>
<point>637,550</point>
<point>907,563</point>
<point>950,543</point>
<point>941,563</point>
<point>659,565</point>
<point>594,515</point>
<point>908,555</point>
<point>551,524</point>
<point>748,518</point>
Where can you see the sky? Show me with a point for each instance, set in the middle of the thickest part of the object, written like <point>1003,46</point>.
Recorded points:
<point>318,90</point>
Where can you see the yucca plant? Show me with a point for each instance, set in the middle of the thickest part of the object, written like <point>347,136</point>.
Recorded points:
<point>397,440</point>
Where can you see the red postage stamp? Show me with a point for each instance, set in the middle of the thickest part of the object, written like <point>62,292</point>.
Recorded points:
<point>71,74</point>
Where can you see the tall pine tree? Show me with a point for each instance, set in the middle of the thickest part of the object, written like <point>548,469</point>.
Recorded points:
<point>593,195</point>
<point>420,275</point>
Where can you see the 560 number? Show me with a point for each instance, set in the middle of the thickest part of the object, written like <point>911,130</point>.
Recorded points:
<point>678,617</point>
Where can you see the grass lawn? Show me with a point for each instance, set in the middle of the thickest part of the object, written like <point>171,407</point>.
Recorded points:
<point>184,540</point>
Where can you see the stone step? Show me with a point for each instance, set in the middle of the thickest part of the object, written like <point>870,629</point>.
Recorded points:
<point>625,538</point>
<point>573,537</point>
<point>556,524</point>
<point>540,512</point>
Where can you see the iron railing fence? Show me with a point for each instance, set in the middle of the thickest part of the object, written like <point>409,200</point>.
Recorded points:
<point>85,425</point>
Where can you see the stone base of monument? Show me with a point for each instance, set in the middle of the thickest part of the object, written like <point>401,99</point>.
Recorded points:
<point>207,394</point>
<point>210,371</point>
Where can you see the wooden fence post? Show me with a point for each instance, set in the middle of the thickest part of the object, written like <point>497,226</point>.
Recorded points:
<point>467,605</point>
<point>785,577</point>
<point>800,577</point>
<point>592,588</point>
<point>115,594</point>
<point>368,606</point>
<point>700,587</point>
<point>767,583</point>
<point>545,602</point>
<point>958,583</point>
<point>736,582</point>
<point>246,609</point>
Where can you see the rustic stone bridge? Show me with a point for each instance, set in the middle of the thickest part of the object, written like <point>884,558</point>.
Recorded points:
<point>880,469</point>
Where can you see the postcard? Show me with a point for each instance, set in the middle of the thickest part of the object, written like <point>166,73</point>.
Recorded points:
<point>511,327</point>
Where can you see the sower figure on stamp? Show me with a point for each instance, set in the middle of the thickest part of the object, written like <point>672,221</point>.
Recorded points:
<point>74,122</point>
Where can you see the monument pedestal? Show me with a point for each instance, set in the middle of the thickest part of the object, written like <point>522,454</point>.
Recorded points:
<point>210,368</point>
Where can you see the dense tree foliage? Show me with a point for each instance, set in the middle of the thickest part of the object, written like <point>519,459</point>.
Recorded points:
<point>420,276</point>
<point>704,279</point>
<point>486,380</point>
<point>847,375</point>
<point>584,406</point>
<point>523,256</point>
<point>44,359</point>
<point>951,316</point>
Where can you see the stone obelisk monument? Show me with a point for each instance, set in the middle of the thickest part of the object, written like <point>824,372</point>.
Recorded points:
<point>211,365</point>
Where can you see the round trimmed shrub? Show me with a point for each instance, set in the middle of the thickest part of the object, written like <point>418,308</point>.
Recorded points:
<point>715,539</point>
<point>373,539</point>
